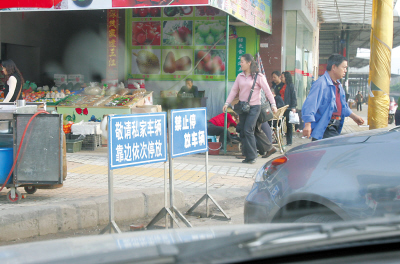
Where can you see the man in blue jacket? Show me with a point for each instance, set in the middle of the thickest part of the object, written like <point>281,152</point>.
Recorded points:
<point>325,107</point>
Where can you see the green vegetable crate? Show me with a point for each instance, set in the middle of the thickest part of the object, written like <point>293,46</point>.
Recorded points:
<point>74,145</point>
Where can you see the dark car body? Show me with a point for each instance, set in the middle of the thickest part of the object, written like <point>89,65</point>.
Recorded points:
<point>355,176</point>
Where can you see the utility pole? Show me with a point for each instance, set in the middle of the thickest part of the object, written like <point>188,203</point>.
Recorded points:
<point>380,61</point>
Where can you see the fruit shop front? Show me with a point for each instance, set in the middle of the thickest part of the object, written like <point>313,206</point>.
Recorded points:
<point>165,46</point>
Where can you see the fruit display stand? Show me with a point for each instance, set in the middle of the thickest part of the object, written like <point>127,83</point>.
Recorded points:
<point>96,109</point>
<point>168,103</point>
<point>170,100</point>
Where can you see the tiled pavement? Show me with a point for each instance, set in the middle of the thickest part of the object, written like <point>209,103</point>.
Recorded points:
<point>87,175</point>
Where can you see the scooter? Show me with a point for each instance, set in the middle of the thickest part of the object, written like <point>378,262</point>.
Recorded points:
<point>392,110</point>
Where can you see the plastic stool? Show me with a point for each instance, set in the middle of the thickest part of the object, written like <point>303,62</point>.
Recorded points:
<point>213,138</point>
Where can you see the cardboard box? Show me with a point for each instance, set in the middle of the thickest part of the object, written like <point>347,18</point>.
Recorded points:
<point>76,78</point>
<point>147,109</point>
<point>233,148</point>
<point>60,79</point>
<point>158,107</point>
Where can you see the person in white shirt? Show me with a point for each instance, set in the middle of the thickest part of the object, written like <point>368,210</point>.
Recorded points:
<point>13,85</point>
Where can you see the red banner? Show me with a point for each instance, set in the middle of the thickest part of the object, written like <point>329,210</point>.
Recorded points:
<point>29,3</point>
<point>112,44</point>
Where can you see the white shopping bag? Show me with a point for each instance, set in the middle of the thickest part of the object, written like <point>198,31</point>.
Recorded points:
<point>294,118</point>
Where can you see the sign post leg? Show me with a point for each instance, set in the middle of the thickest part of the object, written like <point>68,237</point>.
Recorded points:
<point>206,197</point>
<point>165,193</point>
<point>207,204</point>
<point>171,186</point>
<point>173,209</point>
<point>112,226</point>
<point>164,212</point>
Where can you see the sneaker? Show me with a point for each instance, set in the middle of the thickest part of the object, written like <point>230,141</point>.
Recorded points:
<point>269,153</point>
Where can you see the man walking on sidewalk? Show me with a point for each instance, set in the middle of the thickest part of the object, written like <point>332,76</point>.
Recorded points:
<point>325,107</point>
<point>359,100</point>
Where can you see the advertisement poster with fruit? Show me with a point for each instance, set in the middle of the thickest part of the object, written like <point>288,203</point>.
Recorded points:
<point>146,62</point>
<point>177,61</point>
<point>181,11</point>
<point>177,32</point>
<point>173,43</point>
<point>256,13</point>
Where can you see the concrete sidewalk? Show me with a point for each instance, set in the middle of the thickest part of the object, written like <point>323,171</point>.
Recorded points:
<point>85,189</point>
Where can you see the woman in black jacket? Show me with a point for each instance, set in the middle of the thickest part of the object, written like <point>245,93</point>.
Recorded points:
<point>289,97</point>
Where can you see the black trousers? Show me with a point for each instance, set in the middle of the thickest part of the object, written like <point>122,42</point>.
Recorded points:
<point>359,104</point>
<point>331,130</point>
<point>214,130</point>
<point>397,118</point>
<point>289,128</point>
<point>247,128</point>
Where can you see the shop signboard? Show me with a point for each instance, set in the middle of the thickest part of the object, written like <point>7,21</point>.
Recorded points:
<point>29,4</point>
<point>256,13</point>
<point>188,131</point>
<point>41,5</point>
<point>158,3</point>
<point>137,139</point>
<point>172,43</point>
<point>32,5</point>
<point>240,51</point>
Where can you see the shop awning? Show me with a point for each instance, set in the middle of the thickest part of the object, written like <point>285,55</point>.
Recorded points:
<point>354,16</point>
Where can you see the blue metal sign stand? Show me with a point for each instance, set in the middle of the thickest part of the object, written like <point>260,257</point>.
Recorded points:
<point>173,152</point>
<point>135,140</point>
<point>190,127</point>
<point>112,226</point>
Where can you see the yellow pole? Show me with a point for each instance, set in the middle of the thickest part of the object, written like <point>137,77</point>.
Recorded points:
<point>380,61</point>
